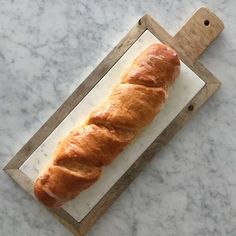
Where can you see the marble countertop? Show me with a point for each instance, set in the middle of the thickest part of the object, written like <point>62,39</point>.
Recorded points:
<point>47,48</point>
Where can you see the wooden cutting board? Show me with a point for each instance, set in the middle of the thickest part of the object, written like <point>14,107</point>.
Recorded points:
<point>195,85</point>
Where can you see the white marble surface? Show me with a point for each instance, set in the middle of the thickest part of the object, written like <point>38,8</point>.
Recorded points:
<point>183,90</point>
<point>48,48</point>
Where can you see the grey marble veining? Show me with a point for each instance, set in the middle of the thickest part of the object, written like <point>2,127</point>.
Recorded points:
<point>46,50</point>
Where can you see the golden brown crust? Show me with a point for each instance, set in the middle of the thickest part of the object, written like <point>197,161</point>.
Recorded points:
<point>133,103</point>
<point>43,196</point>
<point>155,67</point>
<point>129,107</point>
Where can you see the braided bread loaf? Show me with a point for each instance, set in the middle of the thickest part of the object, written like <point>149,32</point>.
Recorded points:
<point>133,103</point>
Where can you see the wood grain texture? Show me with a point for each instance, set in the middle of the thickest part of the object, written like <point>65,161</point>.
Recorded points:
<point>188,57</point>
<point>196,35</point>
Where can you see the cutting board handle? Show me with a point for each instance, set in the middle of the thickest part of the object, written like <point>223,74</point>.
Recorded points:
<point>197,33</point>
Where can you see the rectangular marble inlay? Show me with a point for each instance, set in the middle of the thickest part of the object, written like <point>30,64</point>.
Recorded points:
<point>185,88</point>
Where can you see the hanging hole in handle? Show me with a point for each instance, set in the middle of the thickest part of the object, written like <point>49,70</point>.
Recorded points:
<point>206,22</point>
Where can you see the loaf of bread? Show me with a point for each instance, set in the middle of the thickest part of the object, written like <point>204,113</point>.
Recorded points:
<point>79,157</point>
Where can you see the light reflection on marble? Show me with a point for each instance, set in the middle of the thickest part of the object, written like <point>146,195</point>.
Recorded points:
<point>48,48</point>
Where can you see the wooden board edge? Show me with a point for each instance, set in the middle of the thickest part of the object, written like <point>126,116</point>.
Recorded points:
<point>20,178</point>
<point>67,220</point>
<point>27,185</point>
<point>205,74</point>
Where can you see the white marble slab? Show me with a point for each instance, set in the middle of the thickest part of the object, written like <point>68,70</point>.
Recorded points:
<point>185,88</point>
